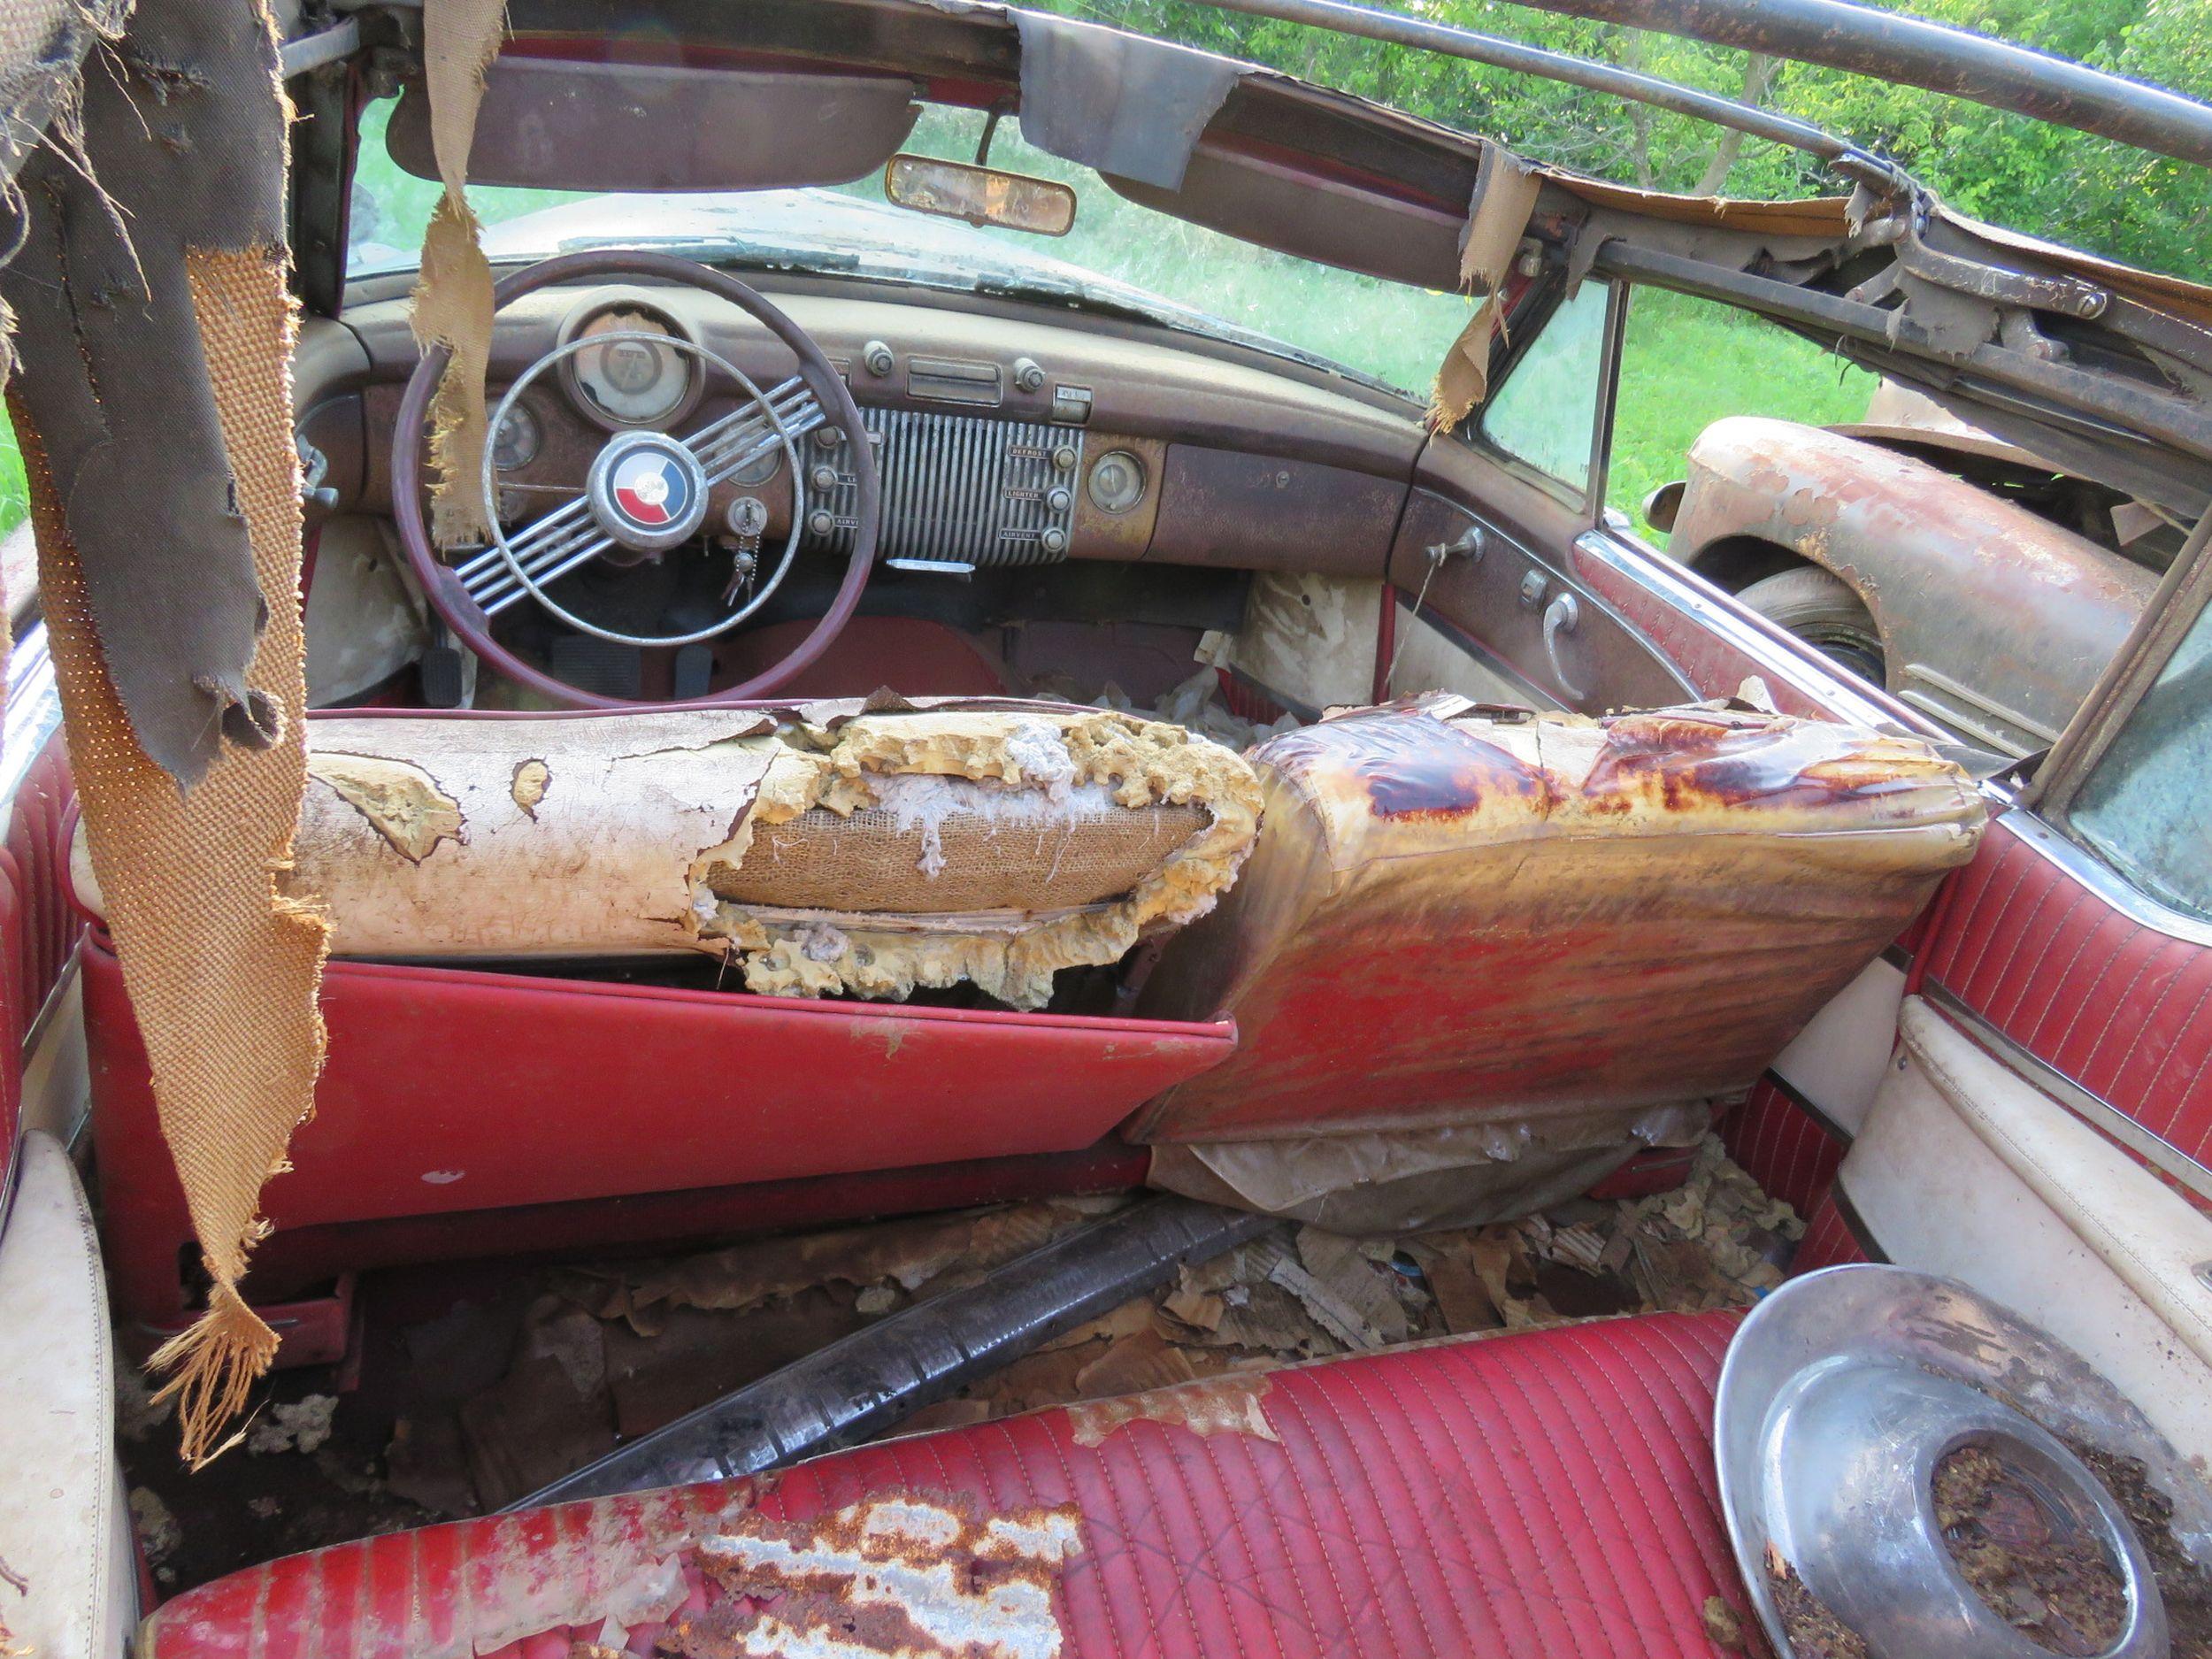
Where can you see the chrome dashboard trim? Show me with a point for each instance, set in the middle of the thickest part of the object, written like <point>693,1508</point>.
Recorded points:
<point>974,490</point>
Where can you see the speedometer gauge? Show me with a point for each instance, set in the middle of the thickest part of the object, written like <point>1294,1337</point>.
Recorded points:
<point>631,377</point>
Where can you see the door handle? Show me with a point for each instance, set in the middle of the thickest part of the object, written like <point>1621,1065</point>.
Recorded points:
<point>1564,614</point>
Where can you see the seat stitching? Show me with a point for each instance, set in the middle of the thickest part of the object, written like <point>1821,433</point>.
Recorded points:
<point>1573,1375</point>
<point>2111,959</point>
<point>1441,1415</point>
<point>2081,943</point>
<point>1291,1398</point>
<point>1256,1573</point>
<point>2143,1022</point>
<point>1354,1382</point>
<point>2150,1087</point>
<point>1121,1522</point>
<point>2190,956</point>
<point>2027,931</point>
<point>1483,1378</point>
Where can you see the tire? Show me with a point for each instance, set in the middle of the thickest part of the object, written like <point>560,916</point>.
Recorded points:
<point>1821,610</point>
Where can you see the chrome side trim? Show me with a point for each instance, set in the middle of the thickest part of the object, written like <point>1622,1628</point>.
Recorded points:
<point>2106,883</point>
<point>2099,1113</point>
<point>34,711</point>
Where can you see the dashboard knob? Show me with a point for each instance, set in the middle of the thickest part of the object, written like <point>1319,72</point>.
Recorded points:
<point>1059,501</point>
<point>876,358</point>
<point>824,478</point>
<point>1054,541</point>
<point>1063,458</point>
<point>821,522</point>
<point>1029,374</point>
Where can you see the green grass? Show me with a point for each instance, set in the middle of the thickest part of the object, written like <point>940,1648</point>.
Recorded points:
<point>1687,362</point>
<point>14,496</point>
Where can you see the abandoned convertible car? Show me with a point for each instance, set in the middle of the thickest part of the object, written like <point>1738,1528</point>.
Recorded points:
<point>745,921</point>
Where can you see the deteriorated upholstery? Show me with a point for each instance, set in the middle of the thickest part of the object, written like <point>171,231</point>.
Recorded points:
<point>1544,1495</point>
<point>837,847</point>
<point>1457,915</point>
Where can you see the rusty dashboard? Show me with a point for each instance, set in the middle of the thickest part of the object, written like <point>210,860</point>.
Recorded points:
<point>1005,436</point>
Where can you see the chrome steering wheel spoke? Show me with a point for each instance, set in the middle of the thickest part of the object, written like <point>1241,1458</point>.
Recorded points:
<point>548,548</point>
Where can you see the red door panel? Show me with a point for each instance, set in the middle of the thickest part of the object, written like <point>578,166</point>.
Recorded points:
<point>2102,996</point>
<point>449,1091</point>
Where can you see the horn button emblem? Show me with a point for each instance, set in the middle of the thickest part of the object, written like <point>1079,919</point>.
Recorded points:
<point>647,491</point>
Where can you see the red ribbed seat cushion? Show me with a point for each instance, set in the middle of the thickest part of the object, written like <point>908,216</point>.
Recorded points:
<point>1549,1493</point>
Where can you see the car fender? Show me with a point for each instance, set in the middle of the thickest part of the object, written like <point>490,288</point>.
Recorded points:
<point>1994,620</point>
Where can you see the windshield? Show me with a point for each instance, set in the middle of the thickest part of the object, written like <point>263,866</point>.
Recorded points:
<point>1119,257</point>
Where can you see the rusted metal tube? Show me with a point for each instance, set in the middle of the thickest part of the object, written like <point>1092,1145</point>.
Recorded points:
<point>1831,33</point>
<point>1398,29</point>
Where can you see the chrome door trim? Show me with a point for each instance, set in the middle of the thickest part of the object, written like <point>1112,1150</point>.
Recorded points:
<point>2093,1110</point>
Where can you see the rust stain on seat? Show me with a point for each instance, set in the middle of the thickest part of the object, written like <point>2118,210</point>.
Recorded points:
<point>400,801</point>
<point>911,1575</point>
<point>1418,771</point>
<point>1213,1405</point>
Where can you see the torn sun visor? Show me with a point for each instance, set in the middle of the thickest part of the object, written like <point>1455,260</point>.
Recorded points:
<point>827,851</point>
<point>1116,103</point>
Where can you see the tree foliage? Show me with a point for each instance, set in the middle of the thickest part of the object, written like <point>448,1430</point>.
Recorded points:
<point>2107,198</point>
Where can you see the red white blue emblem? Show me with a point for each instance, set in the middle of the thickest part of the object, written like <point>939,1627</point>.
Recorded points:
<point>649,488</point>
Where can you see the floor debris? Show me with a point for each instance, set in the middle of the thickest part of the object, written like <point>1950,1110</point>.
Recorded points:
<point>2053,1585</point>
<point>297,1426</point>
<point>480,1382</point>
<point>159,1532</point>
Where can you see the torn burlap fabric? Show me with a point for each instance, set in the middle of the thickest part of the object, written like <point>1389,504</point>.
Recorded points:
<point>453,295</point>
<point>153,402</point>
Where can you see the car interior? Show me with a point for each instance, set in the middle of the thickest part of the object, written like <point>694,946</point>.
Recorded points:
<point>883,731</point>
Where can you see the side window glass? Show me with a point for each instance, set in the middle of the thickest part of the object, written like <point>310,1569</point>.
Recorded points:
<point>1686,363</point>
<point>1546,413</point>
<point>2143,809</point>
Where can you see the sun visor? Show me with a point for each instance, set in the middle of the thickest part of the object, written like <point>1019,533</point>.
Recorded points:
<point>1116,103</point>
<point>549,123</point>
<point>1259,199</point>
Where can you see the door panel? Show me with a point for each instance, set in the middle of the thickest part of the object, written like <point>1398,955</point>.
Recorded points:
<point>1501,592</point>
<point>2069,971</point>
<point>1965,1168</point>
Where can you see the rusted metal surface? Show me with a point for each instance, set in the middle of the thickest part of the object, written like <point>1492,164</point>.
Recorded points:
<point>905,1574</point>
<point>1604,915</point>
<point>1994,620</point>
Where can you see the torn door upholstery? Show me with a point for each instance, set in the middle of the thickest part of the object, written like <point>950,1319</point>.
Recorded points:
<point>824,849</point>
<point>453,294</point>
<point>154,406</point>
<point>1458,915</point>
<point>1497,218</point>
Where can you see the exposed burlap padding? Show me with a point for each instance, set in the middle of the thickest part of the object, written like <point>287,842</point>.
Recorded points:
<point>453,295</point>
<point>869,862</point>
<point>222,969</point>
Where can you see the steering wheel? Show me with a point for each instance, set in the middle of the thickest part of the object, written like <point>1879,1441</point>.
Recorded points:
<point>646,491</point>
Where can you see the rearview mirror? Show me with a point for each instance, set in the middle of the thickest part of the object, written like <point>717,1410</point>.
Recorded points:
<point>981,196</point>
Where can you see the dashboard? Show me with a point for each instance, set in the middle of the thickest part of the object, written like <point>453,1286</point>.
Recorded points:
<point>1005,437</point>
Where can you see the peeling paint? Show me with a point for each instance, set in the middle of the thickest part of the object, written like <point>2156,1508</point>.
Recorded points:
<point>1213,1405</point>
<point>532,778</point>
<point>400,801</point>
<point>906,1575</point>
